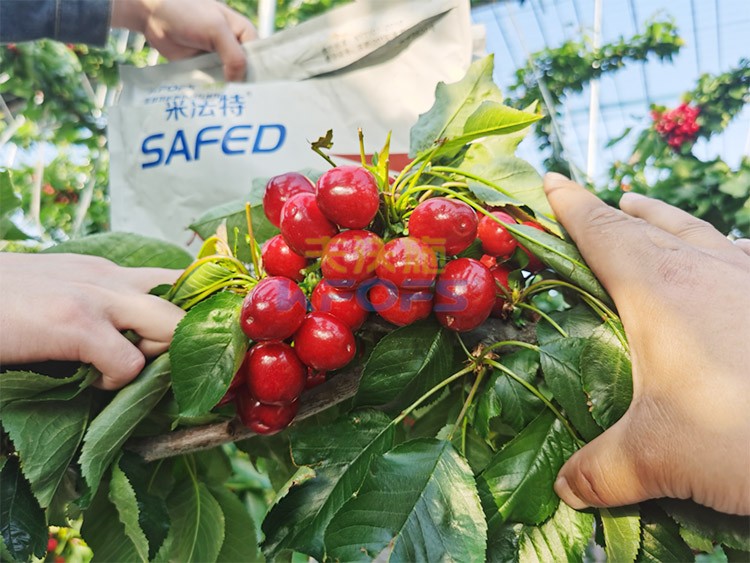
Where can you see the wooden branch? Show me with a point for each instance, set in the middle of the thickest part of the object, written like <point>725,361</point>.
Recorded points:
<point>318,399</point>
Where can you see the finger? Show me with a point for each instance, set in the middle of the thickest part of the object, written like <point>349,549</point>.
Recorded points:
<point>242,28</point>
<point>151,317</point>
<point>612,243</point>
<point>602,473</point>
<point>674,221</point>
<point>113,355</point>
<point>144,280</point>
<point>152,348</point>
<point>743,244</point>
<point>231,53</point>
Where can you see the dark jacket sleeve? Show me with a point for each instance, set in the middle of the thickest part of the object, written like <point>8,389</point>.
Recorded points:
<point>69,21</point>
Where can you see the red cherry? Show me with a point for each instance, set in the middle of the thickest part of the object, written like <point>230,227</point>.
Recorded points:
<point>51,544</point>
<point>535,265</point>
<point>280,260</point>
<point>489,261</point>
<point>314,378</point>
<point>304,228</point>
<point>281,188</point>
<point>237,383</point>
<point>400,306</point>
<point>348,196</point>
<point>351,257</point>
<point>275,375</point>
<point>501,280</point>
<point>447,225</point>
<point>408,263</point>
<point>496,240</point>
<point>273,310</point>
<point>465,294</point>
<point>264,419</point>
<point>340,303</point>
<point>324,342</point>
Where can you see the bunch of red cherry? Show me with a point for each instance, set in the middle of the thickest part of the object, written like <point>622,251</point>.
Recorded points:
<point>297,343</point>
<point>677,126</point>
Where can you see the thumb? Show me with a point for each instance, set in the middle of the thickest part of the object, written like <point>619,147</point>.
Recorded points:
<point>603,473</point>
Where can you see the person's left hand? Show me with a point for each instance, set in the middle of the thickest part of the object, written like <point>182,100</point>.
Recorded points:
<point>179,29</point>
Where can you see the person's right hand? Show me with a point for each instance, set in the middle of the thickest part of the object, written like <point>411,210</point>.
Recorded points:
<point>683,292</point>
<point>73,307</point>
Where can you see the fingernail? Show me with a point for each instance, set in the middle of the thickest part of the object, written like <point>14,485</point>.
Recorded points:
<point>555,177</point>
<point>563,490</point>
<point>633,196</point>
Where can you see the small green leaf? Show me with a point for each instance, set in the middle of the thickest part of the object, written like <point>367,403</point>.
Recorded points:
<point>454,104</point>
<point>263,230</point>
<point>660,539</point>
<point>197,521</point>
<point>46,435</point>
<point>406,363</point>
<point>607,377</point>
<point>561,538</point>
<point>418,503</point>
<point>9,200</point>
<point>622,533</point>
<point>239,543</point>
<point>728,529</point>
<point>517,484</point>
<point>201,278</point>
<point>344,450</point>
<point>561,361</point>
<point>104,532</point>
<point>114,424</point>
<point>206,351</point>
<point>18,385</point>
<point>22,524</point>
<point>122,495</point>
<point>128,249</point>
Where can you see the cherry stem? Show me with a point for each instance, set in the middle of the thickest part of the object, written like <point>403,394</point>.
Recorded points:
<point>431,392</point>
<point>361,137</point>
<point>468,401</point>
<point>515,343</point>
<point>539,395</point>
<point>236,282</point>
<point>251,242</point>
<point>545,316</point>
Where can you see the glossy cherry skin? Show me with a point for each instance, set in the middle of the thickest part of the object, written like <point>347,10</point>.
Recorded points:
<point>351,257</point>
<point>279,189</point>
<point>280,260</point>
<point>447,225</point>
<point>236,385</point>
<point>496,240</point>
<point>348,196</point>
<point>315,378</point>
<point>535,265</point>
<point>273,310</point>
<point>264,419</point>
<point>500,274</point>
<point>400,307</point>
<point>340,303</point>
<point>304,227</point>
<point>409,263</point>
<point>464,294</point>
<point>275,375</point>
<point>323,342</point>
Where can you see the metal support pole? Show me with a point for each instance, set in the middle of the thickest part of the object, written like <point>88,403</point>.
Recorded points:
<point>266,18</point>
<point>591,158</point>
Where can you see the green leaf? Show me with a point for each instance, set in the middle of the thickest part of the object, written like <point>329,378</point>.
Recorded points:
<point>204,276</point>
<point>660,539</point>
<point>206,351</point>
<point>405,363</point>
<point>577,322</point>
<point>561,538</point>
<point>9,200</point>
<point>622,533</point>
<point>114,424</point>
<point>198,523</point>
<point>561,366</point>
<point>561,256</point>
<point>344,450</point>
<point>128,249</point>
<point>418,503</point>
<point>263,230</point>
<point>239,543</point>
<point>122,495</point>
<point>18,385</point>
<point>46,435</point>
<point>508,178</point>
<point>502,541</point>
<point>22,524</point>
<point>607,377</point>
<point>454,104</point>
<point>206,225</point>
<point>517,484</point>
<point>104,532</point>
<point>508,400</point>
<point>728,529</point>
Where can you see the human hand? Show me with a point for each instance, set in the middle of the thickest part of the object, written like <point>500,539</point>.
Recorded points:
<point>179,29</point>
<point>683,292</point>
<point>73,307</point>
